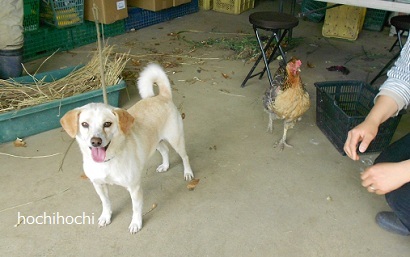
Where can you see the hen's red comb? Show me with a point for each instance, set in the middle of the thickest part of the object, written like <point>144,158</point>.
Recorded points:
<point>298,63</point>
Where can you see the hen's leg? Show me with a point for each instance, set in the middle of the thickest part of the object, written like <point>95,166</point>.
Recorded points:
<point>282,143</point>
<point>270,123</point>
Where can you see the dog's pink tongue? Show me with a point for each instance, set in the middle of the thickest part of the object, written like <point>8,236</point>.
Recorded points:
<point>98,154</point>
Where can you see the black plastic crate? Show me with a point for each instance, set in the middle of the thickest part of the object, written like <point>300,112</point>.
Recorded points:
<point>342,105</point>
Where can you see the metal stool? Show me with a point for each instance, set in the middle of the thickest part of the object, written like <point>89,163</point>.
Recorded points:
<point>401,24</point>
<point>278,24</point>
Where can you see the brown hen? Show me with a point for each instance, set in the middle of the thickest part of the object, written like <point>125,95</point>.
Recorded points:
<point>287,98</point>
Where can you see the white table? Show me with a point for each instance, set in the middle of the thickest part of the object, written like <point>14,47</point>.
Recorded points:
<point>374,4</point>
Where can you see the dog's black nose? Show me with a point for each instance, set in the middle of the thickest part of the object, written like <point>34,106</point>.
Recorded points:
<point>96,141</point>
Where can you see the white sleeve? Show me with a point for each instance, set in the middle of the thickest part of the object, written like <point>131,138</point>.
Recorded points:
<point>397,84</point>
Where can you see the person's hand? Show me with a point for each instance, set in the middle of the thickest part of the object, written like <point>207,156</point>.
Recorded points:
<point>363,133</point>
<point>383,178</point>
<point>366,131</point>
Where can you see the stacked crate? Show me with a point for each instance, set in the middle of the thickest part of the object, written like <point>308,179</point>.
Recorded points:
<point>62,13</point>
<point>232,6</point>
<point>64,29</point>
<point>31,18</point>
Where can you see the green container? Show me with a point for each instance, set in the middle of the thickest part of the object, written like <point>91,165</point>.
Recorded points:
<point>31,18</point>
<point>311,6</point>
<point>62,13</point>
<point>375,19</point>
<point>86,33</point>
<point>45,41</point>
<point>43,117</point>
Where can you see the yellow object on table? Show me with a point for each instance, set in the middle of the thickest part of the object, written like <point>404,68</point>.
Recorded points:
<point>205,4</point>
<point>344,22</point>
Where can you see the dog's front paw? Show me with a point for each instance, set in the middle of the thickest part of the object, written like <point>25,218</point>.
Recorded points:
<point>104,220</point>
<point>188,176</point>
<point>134,227</point>
<point>162,168</point>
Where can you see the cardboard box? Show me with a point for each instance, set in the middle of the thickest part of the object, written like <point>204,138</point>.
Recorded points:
<point>152,5</point>
<point>179,2</point>
<point>109,11</point>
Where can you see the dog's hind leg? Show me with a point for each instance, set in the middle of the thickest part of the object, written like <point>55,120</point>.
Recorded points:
<point>163,149</point>
<point>137,201</point>
<point>178,143</point>
<point>102,191</point>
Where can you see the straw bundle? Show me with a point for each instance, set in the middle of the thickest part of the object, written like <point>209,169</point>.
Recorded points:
<point>15,96</point>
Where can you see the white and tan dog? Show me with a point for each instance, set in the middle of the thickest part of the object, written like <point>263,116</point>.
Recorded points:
<point>116,143</point>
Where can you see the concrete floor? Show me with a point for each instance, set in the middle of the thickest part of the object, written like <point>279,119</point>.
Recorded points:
<point>252,200</point>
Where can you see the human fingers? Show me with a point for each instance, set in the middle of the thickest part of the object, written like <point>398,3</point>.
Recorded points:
<point>351,145</point>
<point>369,185</point>
<point>372,189</point>
<point>364,144</point>
<point>367,182</point>
<point>370,182</point>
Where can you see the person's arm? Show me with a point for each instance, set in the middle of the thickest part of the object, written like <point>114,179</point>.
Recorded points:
<point>384,108</point>
<point>397,85</point>
<point>394,95</point>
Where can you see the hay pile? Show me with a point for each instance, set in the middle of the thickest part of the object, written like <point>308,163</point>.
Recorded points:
<point>15,96</point>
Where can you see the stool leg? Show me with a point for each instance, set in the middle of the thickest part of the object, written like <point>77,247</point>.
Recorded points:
<point>395,43</point>
<point>265,60</point>
<point>275,48</point>
<point>399,39</point>
<point>389,64</point>
<point>263,50</point>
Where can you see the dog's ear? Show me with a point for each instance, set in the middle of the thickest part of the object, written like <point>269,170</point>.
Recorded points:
<point>125,120</point>
<point>69,122</point>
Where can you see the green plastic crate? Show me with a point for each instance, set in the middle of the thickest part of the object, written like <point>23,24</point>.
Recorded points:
<point>342,105</point>
<point>86,33</point>
<point>375,19</point>
<point>43,117</point>
<point>45,41</point>
<point>311,5</point>
<point>31,15</point>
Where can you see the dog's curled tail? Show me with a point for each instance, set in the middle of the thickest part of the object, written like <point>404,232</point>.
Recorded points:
<point>154,73</point>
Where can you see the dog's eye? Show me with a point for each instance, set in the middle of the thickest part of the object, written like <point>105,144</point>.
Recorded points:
<point>107,124</point>
<point>85,125</point>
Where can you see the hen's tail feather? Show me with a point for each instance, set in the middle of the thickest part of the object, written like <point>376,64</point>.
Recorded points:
<point>154,74</point>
